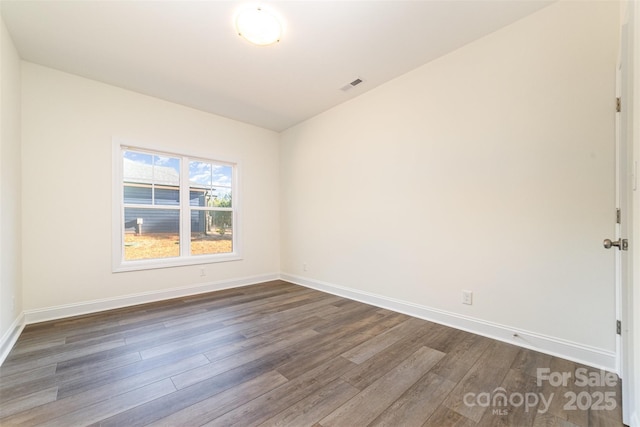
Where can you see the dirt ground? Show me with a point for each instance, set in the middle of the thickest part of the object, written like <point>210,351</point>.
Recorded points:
<point>149,246</point>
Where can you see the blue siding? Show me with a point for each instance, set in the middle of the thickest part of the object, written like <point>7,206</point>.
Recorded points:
<point>154,220</point>
<point>143,196</point>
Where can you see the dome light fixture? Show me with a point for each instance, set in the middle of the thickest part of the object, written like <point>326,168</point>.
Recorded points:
<point>258,26</point>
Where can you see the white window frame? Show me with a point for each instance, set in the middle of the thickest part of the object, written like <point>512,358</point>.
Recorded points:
<point>119,264</point>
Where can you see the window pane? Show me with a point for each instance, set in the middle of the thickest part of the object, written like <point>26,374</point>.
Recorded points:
<point>200,193</point>
<point>211,232</point>
<point>166,171</point>
<point>151,179</point>
<point>209,184</point>
<point>151,233</point>
<point>166,180</point>
<point>222,197</point>
<point>137,167</point>
<point>222,175</point>
<point>137,194</point>
<point>198,197</point>
<point>221,182</point>
<point>167,196</point>
<point>199,174</point>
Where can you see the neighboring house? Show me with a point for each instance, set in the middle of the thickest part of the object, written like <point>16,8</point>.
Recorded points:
<point>146,184</point>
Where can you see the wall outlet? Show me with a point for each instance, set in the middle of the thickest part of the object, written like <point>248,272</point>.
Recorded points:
<point>467,297</point>
<point>203,272</point>
<point>304,266</point>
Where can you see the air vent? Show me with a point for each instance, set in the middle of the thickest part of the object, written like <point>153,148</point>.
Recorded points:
<point>354,83</point>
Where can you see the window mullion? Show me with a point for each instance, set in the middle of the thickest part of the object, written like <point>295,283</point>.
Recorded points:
<point>143,206</point>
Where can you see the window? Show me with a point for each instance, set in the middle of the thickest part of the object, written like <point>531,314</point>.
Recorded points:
<point>172,210</point>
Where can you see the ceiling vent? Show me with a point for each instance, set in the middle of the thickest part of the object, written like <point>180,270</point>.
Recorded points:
<point>351,85</point>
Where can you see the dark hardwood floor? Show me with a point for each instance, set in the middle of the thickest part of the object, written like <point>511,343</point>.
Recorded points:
<point>280,354</point>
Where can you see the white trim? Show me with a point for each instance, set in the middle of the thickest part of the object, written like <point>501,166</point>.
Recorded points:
<point>10,337</point>
<point>587,355</point>
<point>598,358</point>
<point>87,307</point>
<point>635,420</point>
<point>117,208</point>
<point>151,264</point>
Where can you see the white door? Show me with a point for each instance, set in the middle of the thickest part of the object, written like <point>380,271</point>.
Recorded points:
<point>624,184</point>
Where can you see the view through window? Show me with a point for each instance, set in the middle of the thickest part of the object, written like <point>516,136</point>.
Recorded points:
<point>175,206</point>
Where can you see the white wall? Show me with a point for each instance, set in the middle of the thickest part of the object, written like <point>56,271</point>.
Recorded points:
<point>68,125</point>
<point>490,169</point>
<point>10,164</point>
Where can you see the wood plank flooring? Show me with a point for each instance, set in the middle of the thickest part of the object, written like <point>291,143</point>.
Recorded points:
<point>277,354</point>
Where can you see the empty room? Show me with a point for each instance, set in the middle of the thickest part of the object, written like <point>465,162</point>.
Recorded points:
<point>319,213</point>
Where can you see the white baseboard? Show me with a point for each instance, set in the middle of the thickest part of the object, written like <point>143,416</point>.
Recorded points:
<point>597,358</point>
<point>590,356</point>
<point>87,307</point>
<point>10,337</point>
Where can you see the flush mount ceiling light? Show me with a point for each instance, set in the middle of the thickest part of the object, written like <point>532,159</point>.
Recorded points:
<point>258,25</point>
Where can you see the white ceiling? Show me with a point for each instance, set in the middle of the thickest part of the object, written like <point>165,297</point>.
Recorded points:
<point>188,52</point>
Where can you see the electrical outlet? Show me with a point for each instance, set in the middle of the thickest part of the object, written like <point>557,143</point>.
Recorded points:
<point>467,297</point>
<point>304,266</point>
<point>203,272</point>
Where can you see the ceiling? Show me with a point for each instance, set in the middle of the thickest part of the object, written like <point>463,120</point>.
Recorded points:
<point>188,52</point>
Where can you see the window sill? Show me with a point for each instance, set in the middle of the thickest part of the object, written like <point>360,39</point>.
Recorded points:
<point>153,264</point>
